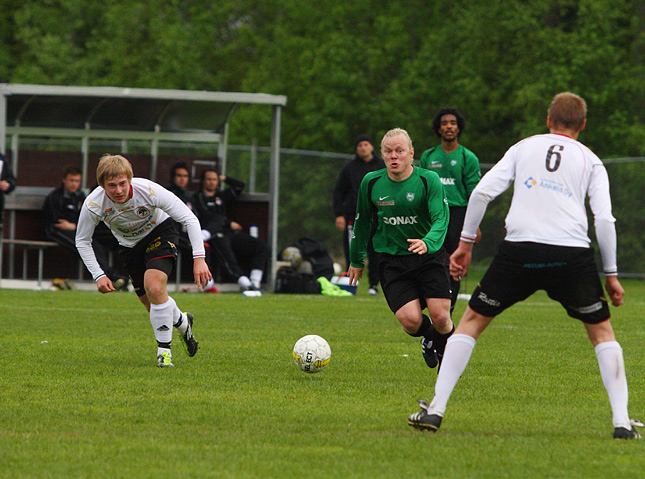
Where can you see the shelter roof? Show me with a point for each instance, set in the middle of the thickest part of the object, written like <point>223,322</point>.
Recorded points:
<point>133,109</point>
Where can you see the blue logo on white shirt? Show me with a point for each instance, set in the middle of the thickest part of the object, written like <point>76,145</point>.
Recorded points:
<point>530,182</point>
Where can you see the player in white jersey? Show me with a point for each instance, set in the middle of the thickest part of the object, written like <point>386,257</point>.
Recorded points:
<point>138,212</point>
<point>546,247</point>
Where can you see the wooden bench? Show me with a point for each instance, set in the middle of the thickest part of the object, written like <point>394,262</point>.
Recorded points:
<point>25,200</point>
<point>27,245</point>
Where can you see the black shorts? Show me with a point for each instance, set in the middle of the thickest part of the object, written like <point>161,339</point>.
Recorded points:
<point>405,278</point>
<point>568,275</point>
<point>158,251</point>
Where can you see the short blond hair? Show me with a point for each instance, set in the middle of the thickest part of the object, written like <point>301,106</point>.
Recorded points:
<point>111,166</point>
<point>568,110</point>
<point>396,132</point>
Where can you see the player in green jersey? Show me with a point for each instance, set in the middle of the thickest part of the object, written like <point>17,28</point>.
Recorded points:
<point>412,214</point>
<point>458,168</point>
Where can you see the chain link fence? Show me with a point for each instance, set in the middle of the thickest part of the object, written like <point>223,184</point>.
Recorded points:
<point>307,180</point>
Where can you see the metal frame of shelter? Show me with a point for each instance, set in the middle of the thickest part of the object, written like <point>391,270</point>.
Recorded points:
<point>137,114</point>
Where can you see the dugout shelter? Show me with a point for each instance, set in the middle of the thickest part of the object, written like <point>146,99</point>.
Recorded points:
<point>151,116</point>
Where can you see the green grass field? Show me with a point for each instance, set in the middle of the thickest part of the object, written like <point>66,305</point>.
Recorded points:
<point>80,396</point>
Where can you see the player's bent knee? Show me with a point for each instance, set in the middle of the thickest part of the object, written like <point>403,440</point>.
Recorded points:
<point>411,324</point>
<point>155,290</point>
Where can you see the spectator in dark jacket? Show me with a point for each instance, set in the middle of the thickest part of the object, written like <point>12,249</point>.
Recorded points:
<point>62,209</point>
<point>345,196</point>
<point>225,237</point>
<point>179,181</point>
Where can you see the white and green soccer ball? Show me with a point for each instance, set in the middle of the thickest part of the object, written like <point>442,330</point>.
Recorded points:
<point>311,353</point>
<point>293,256</point>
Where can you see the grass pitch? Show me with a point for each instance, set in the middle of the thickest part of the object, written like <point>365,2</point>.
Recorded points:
<point>80,395</point>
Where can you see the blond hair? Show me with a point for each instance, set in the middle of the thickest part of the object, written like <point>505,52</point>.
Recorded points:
<point>111,166</point>
<point>568,110</point>
<point>396,132</point>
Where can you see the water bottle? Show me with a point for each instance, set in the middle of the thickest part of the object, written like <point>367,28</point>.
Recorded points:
<point>253,230</point>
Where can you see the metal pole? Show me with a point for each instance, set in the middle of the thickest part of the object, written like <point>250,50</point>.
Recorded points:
<point>154,147</point>
<point>3,124</point>
<point>274,191</point>
<point>254,165</point>
<point>3,148</point>
<point>222,150</point>
<point>85,150</point>
<point>15,142</point>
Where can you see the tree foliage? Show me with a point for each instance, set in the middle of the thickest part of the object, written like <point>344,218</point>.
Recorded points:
<point>352,67</point>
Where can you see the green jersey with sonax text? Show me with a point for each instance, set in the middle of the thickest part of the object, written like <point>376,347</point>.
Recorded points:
<point>459,172</point>
<point>415,208</point>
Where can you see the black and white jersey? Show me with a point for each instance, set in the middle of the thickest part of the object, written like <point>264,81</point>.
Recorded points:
<point>149,205</point>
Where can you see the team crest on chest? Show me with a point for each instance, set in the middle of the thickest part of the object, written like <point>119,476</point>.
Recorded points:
<point>453,163</point>
<point>143,212</point>
<point>410,196</point>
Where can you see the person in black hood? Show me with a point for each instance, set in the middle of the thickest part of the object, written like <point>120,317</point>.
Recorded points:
<point>345,196</point>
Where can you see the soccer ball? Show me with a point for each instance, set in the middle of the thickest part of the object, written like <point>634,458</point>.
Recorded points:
<point>311,353</point>
<point>293,256</point>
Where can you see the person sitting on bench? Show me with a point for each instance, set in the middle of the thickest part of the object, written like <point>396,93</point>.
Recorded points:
<point>62,208</point>
<point>225,237</point>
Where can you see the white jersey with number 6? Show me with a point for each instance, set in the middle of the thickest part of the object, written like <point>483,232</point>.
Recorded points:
<point>552,174</point>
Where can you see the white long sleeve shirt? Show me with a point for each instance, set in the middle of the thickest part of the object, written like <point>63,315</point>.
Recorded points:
<point>552,174</point>
<point>149,205</point>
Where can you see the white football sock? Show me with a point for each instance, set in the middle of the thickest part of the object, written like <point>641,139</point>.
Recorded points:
<point>459,348</point>
<point>244,282</point>
<point>612,370</point>
<point>256,277</point>
<point>183,326</point>
<point>176,312</point>
<point>161,317</point>
<point>179,319</point>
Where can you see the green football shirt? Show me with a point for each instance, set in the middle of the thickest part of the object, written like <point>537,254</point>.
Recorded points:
<point>415,208</point>
<point>459,172</point>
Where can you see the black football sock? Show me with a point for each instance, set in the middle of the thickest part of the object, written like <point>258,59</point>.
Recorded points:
<point>454,286</point>
<point>441,340</point>
<point>426,329</point>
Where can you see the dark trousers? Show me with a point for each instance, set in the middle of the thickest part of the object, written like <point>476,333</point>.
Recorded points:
<point>232,248</point>
<point>67,239</point>
<point>456,223</point>
<point>372,256</point>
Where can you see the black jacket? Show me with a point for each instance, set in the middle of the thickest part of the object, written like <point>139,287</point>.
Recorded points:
<point>212,210</point>
<point>7,175</point>
<point>183,194</point>
<point>348,183</point>
<point>59,206</point>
